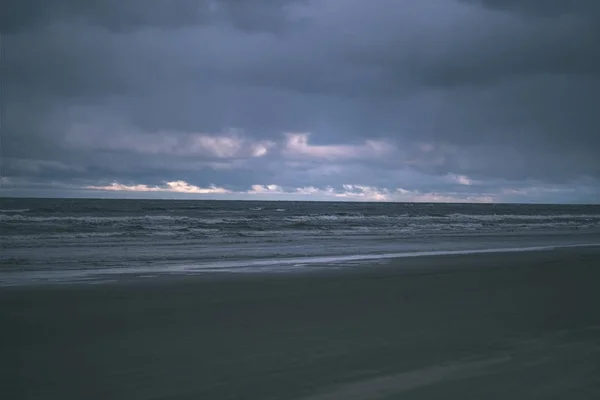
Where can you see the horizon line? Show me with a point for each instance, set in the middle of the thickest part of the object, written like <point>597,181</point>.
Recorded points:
<point>2,196</point>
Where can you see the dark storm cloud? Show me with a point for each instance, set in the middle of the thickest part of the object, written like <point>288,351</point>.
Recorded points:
<point>543,8</point>
<point>125,16</point>
<point>136,91</point>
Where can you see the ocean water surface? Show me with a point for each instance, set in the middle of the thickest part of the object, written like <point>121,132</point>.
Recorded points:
<point>90,240</point>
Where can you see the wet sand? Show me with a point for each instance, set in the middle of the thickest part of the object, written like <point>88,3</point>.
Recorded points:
<point>493,326</point>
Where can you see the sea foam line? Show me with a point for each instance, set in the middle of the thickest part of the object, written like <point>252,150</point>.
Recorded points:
<point>23,278</point>
<point>246,264</point>
<point>14,210</point>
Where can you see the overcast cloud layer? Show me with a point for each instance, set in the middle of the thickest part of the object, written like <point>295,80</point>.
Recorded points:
<point>434,100</point>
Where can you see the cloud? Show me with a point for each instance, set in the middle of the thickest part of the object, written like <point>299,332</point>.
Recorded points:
<point>461,179</point>
<point>297,146</point>
<point>443,96</point>
<point>446,198</point>
<point>172,187</point>
<point>346,192</point>
<point>266,189</point>
<point>364,192</point>
<point>125,16</point>
<point>543,9</point>
<point>226,145</point>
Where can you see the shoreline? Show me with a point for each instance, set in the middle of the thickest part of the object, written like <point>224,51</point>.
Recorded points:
<point>292,266</point>
<point>486,325</point>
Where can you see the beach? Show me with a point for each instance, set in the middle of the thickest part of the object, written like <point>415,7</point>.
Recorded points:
<point>500,325</point>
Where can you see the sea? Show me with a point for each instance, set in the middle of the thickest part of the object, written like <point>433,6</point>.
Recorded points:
<point>148,299</point>
<point>44,241</point>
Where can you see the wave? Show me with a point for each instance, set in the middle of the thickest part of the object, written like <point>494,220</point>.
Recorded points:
<point>275,215</point>
<point>65,236</point>
<point>533,217</point>
<point>270,265</point>
<point>117,219</point>
<point>276,223</point>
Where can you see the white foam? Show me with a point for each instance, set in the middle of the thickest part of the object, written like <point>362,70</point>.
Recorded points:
<point>534,217</point>
<point>91,220</point>
<point>14,210</point>
<point>367,257</point>
<point>246,266</point>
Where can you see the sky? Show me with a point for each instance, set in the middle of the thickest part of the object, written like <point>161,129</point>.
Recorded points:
<point>378,100</point>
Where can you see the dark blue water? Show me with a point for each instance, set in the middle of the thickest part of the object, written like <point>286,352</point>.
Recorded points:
<point>57,239</point>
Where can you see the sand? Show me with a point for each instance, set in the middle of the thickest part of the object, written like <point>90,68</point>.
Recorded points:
<point>493,326</point>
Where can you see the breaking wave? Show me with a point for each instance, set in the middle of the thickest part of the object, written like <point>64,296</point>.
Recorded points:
<point>20,224</point>
<point>15,210</point>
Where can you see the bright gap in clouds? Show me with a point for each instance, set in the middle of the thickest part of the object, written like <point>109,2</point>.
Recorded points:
<point>347,192</point>
<point>171,187</point>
